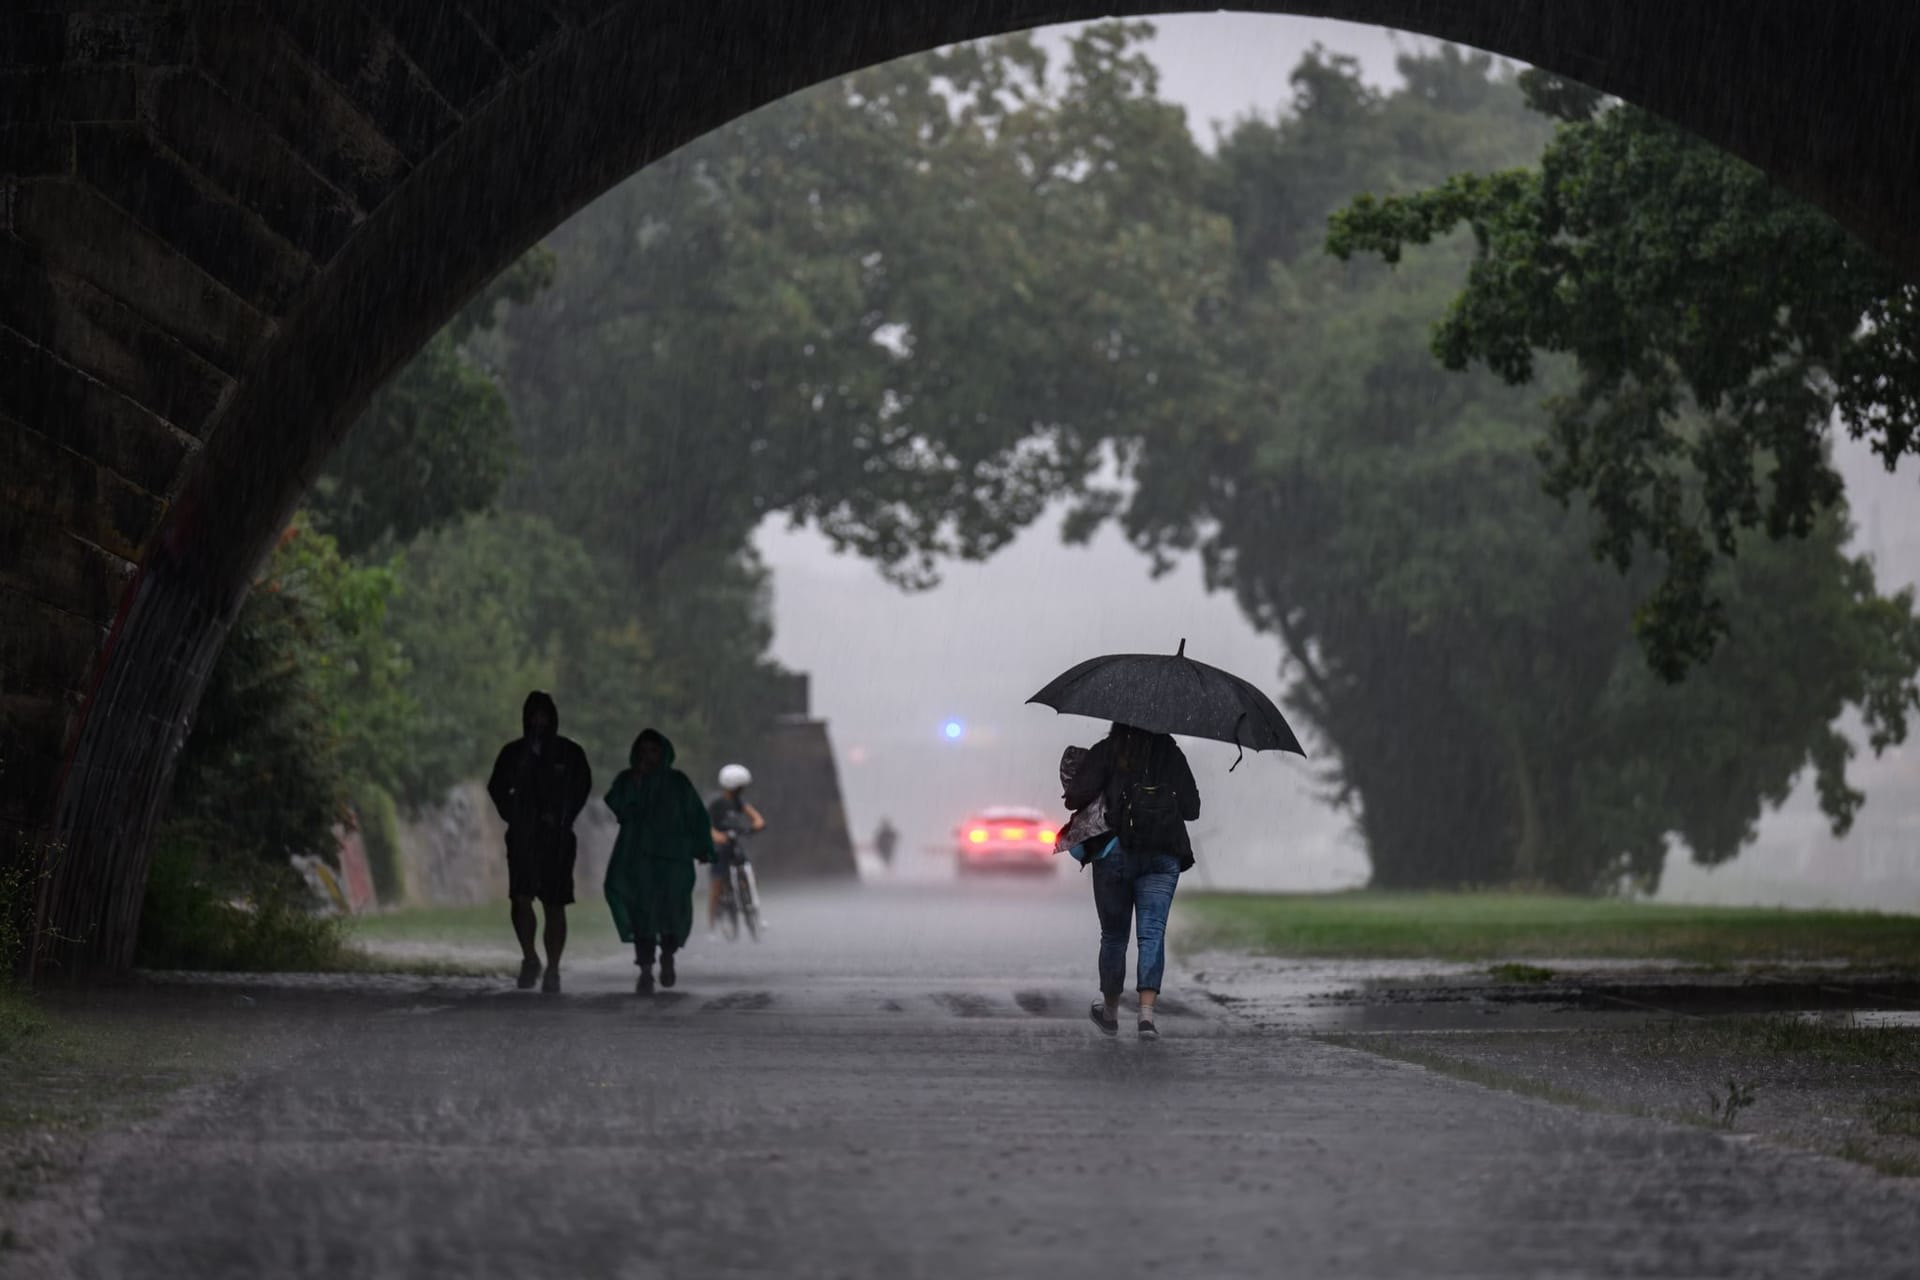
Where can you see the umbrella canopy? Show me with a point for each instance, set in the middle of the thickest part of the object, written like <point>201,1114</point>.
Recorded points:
<point>1171,693</point>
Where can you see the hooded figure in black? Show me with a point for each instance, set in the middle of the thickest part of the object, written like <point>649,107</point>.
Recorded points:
<point>540,782</point>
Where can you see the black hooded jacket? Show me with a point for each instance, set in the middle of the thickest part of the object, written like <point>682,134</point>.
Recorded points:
<point>540,785</point>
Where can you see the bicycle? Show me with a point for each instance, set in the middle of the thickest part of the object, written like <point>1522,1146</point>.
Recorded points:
<point>739,894</point>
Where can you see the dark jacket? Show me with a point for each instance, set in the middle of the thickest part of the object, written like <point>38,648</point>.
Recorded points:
<point>540,788</point>
<point>1119,759</point>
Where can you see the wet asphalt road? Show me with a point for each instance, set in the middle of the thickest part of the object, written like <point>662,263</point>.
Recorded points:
<point>903,1083</point>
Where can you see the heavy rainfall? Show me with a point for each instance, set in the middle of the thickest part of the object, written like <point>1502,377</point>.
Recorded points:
<point>1223,644</point>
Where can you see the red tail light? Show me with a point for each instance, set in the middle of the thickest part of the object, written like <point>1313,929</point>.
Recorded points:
<point>978,835</point>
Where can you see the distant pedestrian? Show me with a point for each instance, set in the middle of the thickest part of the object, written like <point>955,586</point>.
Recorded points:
<point>663,831</point>
<point>885,840</point>
<point>539,784</point>
<point>1147,790</point>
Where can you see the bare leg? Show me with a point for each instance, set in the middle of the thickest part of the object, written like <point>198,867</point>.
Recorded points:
<point>1146,1005</point>
<point>523,926</point>
<point>556,933</point>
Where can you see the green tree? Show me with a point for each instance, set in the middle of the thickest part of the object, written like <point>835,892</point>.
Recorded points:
<point>1471,670</point>
<point>905,307</point>
<point>305,700</point>
<point>1719,326</point>
<point>499,604</point>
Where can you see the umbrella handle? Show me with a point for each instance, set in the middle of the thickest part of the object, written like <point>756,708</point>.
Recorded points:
<point>1236,739</point>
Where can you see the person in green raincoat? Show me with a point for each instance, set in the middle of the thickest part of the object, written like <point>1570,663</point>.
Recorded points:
<point>663,832</point>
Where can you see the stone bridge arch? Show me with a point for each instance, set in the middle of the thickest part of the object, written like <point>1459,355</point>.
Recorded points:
<point>223,224</point>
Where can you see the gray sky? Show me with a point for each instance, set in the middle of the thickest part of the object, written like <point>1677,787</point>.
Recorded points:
<point>1221,66</point>
<point>889,670</point>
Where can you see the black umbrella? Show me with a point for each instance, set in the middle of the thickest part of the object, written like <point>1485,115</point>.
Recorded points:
<point>1171,693</point>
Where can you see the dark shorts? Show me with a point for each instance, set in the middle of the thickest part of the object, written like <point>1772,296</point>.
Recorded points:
<point>543,871</point>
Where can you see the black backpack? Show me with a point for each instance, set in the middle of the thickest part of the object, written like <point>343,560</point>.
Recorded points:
<point>1147,815</point>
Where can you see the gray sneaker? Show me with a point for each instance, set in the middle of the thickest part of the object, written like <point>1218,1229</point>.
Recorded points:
<point>529,974</point>
<point>1147,1030</point>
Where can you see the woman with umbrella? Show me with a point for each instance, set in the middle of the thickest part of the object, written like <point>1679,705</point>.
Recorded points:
<point>1149,794</point>
<point>1145,794</point>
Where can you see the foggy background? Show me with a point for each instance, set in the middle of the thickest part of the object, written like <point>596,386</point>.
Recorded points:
<point>890,670</point>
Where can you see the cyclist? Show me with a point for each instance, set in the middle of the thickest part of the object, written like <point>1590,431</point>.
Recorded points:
<point>731,817</point>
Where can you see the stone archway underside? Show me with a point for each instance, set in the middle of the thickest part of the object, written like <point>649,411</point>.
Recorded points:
<point>222,224</point>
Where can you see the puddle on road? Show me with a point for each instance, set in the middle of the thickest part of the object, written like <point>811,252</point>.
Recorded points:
<point>1364,998</point>
<point>1864,1017</point>
<point>1494,1015</point>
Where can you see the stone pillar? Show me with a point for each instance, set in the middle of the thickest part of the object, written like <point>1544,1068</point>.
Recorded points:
<point>796,786</point>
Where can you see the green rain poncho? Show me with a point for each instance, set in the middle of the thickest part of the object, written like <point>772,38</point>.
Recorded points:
<point>663,832</point>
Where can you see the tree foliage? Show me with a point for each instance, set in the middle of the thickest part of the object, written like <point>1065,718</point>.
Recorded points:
<point>500,604</point>
<point>904,308</point>
<point>1470,669</point>
<point>1718,325</point>
<point>306,699</point>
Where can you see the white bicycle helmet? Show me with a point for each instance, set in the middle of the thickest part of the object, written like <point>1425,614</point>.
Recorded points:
<point>734,776</point>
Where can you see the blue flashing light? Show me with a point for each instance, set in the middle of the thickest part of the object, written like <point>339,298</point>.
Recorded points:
<point>953,729</point>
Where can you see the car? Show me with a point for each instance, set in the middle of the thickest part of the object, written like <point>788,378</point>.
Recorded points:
<point>1005,838</point>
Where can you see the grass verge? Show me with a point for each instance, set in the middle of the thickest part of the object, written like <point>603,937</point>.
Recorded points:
<point>69,1070</point>
<point>485,925</point>
<point>188,922</point>
<point>1834,1042</point>
<point>21,1024</point>
<point>1506,926</point>
<point>71,1067</point>
<point>1823,1085</point>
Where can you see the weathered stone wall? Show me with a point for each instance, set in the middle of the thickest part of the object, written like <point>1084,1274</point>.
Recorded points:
<point>222,224</point>
<point>455,853</point>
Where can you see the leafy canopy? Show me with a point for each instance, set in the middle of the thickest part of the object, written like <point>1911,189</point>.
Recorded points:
<point>1717,323</point>
<point>1469,669</point>
<point>905,308</point>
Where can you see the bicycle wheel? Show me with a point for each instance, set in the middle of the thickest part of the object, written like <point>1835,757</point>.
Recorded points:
<point>729,909</point>
<point>749,890</point>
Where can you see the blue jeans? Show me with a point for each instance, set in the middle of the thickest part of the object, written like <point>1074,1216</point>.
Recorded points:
<point>1127,888</point>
